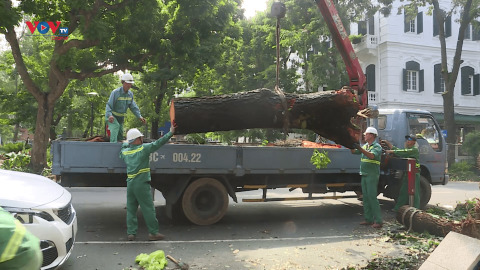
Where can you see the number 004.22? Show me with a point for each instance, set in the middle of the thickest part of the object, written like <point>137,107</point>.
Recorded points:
<point>185,157</point>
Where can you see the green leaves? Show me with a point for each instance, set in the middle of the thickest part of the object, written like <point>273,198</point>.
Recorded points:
<point>320,159</point>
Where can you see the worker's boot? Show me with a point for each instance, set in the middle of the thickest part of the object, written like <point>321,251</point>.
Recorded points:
<point>156,237</point>
<point>131,237</point>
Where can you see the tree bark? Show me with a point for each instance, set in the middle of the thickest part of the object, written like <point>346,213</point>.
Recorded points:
<point>42,131</point>
<point>422,221</point>
<point>327,113</point>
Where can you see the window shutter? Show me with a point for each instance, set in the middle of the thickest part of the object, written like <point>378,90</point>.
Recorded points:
<point>404,80</point>
<point>435,23</point>
<point>448,26</point>
<point>421,88</point>
<point>406,23</point>
<point>464,80</point>
<point>467,32</point>
<point>476,84</point>
<point>371,25</point>
<point>420,22</point>
<point>362,27</point>
<point>437,69</point>
<point>476,33</point>
<point>370,71</point>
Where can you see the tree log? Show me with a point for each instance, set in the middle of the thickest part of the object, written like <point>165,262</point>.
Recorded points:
<point>422,221</point>
<point>327,113</point>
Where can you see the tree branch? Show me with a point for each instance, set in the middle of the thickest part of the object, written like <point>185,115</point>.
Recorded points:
<point>11,37</point>
<point>76,43</point>
<point>461,36</point>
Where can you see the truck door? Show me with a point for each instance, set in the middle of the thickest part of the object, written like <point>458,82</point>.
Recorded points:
<point>431,144</point>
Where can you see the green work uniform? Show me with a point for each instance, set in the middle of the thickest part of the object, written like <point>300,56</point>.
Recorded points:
<point>117,105</point>
<point>370,171</point>
<point>137,158</point>
<point>403,195</point>
<point>19,249</point>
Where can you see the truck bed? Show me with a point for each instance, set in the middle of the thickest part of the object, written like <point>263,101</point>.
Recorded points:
<point>97,157</point>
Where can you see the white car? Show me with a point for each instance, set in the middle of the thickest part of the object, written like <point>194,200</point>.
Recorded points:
<point>45,208</point>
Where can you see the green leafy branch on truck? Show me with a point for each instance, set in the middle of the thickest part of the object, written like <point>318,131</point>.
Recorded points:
<point>320,159</point>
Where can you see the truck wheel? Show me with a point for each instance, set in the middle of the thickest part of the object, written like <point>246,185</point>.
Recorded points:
<point>426,192</point>
<point>205,201</point>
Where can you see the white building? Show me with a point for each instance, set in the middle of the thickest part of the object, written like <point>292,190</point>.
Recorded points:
<point>401,59</point>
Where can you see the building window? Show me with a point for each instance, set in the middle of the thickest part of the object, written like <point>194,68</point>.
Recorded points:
<point>412,81</point>
<point>469,81</point>
<point>470,85</point>
<point>447,20</point>
<point>413,77</point>
<point>412,26</point>
<point>442,84</point>
<point>468,32</point>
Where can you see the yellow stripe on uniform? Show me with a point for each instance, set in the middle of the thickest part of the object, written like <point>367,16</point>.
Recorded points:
<point>124,98</point>
<point>144,170</point>
<point>254,186</point>
<point>131,152</point>
<point>14,242</point>
<point>118,114</point>
<point>370,161</point>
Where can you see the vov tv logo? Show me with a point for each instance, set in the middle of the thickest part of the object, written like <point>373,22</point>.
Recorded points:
<point>43,29</point>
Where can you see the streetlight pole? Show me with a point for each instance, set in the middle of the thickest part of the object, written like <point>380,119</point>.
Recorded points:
<point>91,119</point>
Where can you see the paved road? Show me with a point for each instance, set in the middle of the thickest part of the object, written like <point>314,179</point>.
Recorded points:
<point>276,235</point>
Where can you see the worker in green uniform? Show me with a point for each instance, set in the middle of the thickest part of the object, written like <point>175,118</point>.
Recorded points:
<point>120,100</point>
<point>409,152</point>
<point>370,171</point>
<point>19,249</point>
<point>137,157</point>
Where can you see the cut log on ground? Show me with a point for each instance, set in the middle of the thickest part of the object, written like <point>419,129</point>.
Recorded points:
<point>424,222</point>
<point>327,113</point>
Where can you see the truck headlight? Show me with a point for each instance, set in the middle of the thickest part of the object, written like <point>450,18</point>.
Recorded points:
<point>25,216</point>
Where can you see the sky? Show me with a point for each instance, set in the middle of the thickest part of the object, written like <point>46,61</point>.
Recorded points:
<point>251,6</point>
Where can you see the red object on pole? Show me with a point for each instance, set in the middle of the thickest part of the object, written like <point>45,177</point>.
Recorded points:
<point>411,179</point>
<point>340,37</point>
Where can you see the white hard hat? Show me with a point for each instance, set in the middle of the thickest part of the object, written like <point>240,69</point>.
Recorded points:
<point>132,134</point>
<point>371,130</point>
<point>127,77</point>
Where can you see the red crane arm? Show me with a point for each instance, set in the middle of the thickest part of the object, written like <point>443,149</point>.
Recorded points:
<point>340,37</point>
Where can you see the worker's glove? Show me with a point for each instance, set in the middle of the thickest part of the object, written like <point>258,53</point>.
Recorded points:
<point>355,146</point>
<point>173,127</point>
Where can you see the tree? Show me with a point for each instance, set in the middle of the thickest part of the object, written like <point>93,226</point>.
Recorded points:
<point>188,33</point>
<point>470,11</point>
<point>104,37</point>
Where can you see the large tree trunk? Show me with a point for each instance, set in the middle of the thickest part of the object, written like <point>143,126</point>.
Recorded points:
<point>422,221</point>
<point>42,132</point>
<point>449,116</point>
<point>327,113</point>
<point>15,132</point>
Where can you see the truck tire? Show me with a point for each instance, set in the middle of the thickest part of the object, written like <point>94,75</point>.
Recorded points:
<point>426,192</point>
<point>425,189</point>
<point>205,201</point>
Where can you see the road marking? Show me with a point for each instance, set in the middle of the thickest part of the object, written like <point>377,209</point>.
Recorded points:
<point>227,240</point>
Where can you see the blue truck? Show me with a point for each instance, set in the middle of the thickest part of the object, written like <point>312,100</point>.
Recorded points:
<point>196,180</point>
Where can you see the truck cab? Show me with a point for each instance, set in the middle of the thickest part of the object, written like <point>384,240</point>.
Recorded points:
<point>393,125</point>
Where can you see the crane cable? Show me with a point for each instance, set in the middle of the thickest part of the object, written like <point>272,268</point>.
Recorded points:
<point>278,9</point>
